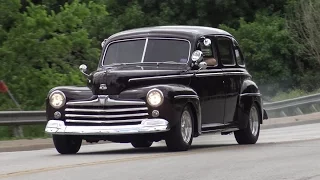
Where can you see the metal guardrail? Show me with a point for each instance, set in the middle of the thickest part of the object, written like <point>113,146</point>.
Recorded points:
<point>290,107</point>
<point>8,118</point>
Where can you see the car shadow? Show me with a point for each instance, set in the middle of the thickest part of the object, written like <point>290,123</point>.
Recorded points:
<point>152,150</point>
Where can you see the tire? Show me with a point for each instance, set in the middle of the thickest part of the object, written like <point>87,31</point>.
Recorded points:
<point>180,137</point>
<point>250,134</point>
<point>67,144</point>
<point>141,144</point>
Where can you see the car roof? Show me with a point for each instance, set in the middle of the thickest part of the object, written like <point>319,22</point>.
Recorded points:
<point>177,30</point>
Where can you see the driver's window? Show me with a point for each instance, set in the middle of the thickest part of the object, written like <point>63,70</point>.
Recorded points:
<point>209,54</point>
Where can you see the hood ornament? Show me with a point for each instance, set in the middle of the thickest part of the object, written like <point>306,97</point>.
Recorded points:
<point>103,87</point>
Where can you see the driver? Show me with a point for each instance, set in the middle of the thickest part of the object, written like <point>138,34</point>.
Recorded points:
<point>208,55</point>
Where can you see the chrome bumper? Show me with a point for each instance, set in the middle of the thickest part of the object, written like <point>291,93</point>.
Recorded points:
<point>146,126</point>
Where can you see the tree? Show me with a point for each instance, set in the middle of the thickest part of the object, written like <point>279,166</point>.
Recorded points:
<point>43,49</point>
<point>304,23</point>
<point>269,52</point>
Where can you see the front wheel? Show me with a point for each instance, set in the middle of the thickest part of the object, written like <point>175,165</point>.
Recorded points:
<point>67,144</point>
<point>180,137</point>
<point>250,134</point>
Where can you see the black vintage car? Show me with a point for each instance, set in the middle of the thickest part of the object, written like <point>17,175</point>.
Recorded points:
<point>169,83</point>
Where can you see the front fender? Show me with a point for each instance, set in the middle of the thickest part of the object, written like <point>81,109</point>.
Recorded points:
<point>176,96</point>
<point>71,93</point>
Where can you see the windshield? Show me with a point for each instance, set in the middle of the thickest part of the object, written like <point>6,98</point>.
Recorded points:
<point>156,50</point>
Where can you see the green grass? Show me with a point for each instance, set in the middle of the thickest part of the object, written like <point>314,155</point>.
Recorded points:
<point>29,132</point>
<point>292,94</point>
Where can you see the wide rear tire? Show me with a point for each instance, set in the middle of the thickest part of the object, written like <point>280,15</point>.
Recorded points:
<point>180,137</point>
<point>67,144</point>
<point>250,134</point>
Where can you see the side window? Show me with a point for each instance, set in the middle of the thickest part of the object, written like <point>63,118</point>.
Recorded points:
<point>238,54</point>
<point>225,47</point>
<point>239,57</point>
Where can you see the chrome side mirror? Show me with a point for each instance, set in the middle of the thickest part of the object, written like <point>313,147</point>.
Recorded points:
<point>207,42</point>
<point>83,69</point>
<point>197,56</point>
<point>103,43</point>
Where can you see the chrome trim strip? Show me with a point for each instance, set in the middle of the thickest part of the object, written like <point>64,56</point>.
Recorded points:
<point>104,100</point>
<point>146,126</point>
<point>188,75</point>
<point>250,94</point>
<point>230,130</point>
<point>235,73</point>
<point>101,122</point>
<point>160,77</point>
<point>94,102</point>
<point>209,74</point>
<point>186,96</point>
<point>211,125</point>
<point>105,110</point>
<point>107,116</point>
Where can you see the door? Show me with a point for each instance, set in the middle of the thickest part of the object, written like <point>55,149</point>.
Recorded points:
<point>233,75</point>
<point>209,85</point>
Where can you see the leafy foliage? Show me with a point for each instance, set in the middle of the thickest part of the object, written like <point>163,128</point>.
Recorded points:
<point>44,48</point>
<point>270,53</point>
<point>42,42</point>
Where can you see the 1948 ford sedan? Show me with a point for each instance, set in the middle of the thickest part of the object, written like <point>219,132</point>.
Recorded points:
<point>169,83</point>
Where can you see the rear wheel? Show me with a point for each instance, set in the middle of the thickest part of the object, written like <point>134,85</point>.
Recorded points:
<point>67,144</point>
<point>141,144</point>
<point>180,137</point>
<point>250,134</point>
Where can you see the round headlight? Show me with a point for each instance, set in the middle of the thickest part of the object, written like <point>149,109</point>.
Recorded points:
<point>155,97</point>
<point>57,99</point>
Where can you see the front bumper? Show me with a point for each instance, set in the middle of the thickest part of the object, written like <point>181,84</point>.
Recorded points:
<point>146,126</point>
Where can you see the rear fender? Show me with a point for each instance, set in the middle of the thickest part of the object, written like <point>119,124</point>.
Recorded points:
<point>249,94</point>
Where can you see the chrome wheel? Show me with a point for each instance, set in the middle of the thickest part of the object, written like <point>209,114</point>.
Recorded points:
<point>180,136</point>
<point>254,121</point>
<point>250,134</point>
<point>186,126</point>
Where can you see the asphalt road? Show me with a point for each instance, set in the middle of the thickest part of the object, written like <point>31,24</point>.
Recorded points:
<point>281,153</point>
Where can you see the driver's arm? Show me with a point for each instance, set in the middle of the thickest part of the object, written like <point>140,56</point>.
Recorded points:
<point>211,61</point>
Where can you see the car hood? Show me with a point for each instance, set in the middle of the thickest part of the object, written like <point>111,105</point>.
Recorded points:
<point>115,79</point>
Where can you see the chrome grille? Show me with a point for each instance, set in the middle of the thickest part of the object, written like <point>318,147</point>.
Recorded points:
<point>105,111</point>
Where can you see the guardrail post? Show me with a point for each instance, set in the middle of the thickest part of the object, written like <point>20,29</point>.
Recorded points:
<point>283,114</point>
<point>18,131</point>
<point>298,111</point>
<point>313,108</point>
